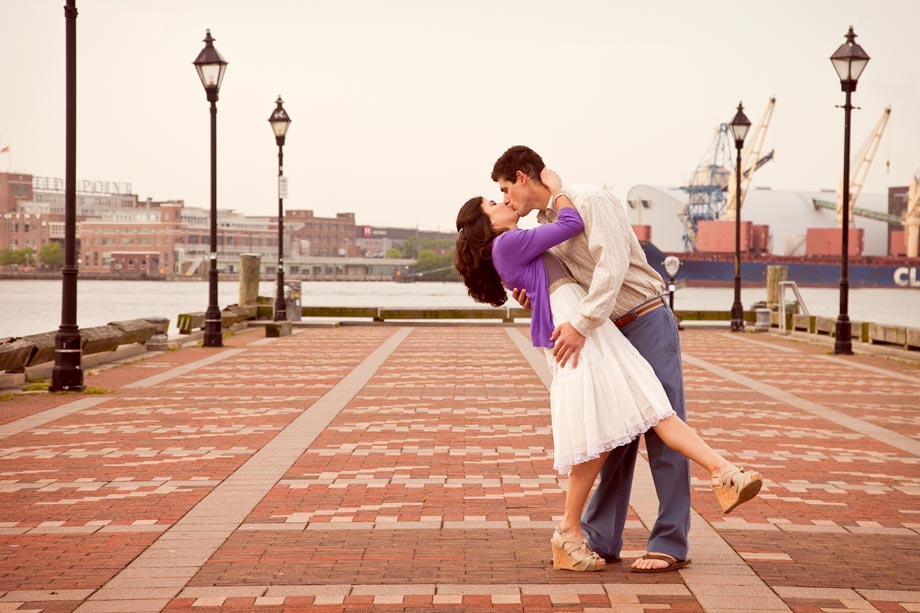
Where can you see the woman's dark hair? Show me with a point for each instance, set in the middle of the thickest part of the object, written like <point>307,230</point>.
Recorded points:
<point>473,255</point>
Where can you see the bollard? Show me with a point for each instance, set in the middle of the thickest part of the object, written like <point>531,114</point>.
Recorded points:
<point>763,320</point>
<point>158,342</point>
<point>775,274</point>
<point>292,297</point>
<point>250,270</point>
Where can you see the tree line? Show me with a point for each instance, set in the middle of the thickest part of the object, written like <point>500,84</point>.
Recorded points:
<point>434,257</point>
<point>51,255</point>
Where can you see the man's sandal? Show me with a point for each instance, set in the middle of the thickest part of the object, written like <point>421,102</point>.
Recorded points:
<point>673,563</point>
<point>572,553</point>
<point>734,485</point>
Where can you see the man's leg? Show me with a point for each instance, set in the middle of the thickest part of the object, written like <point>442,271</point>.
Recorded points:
<point>655,336</point>
<point>605,515</point>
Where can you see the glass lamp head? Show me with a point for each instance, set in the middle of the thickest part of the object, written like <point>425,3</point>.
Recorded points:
<point>849,61</point>
<point>740,125</point>
<point>211,66</point>
<point>280,121</point>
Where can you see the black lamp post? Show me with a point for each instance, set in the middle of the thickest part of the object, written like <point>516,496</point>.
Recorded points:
<point>67,374</point>
<point>849,61</point>
<point>740,126</point>
<point>280,122</point>
<point>211,67</point>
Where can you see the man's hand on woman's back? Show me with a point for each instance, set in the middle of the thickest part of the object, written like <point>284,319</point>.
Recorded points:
<point>567,344</point>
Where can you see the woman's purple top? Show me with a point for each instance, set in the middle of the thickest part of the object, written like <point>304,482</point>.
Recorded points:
<point>516,255</point>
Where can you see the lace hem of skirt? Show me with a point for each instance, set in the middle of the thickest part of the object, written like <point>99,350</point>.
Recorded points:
<point>564,464</point>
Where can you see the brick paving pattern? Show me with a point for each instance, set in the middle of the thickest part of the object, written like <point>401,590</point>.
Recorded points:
<point>395,468</point>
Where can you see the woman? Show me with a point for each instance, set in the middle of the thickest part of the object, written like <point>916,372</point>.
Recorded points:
<point>611,397</point>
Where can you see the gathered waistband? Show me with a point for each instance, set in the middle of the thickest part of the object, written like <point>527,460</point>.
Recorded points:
<point>559,283</point>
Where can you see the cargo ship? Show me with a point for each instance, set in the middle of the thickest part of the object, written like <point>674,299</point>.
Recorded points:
<point>796,229</point>
<point>718,270</point>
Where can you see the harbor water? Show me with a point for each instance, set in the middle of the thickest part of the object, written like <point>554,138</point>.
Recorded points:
<point>33,306</point>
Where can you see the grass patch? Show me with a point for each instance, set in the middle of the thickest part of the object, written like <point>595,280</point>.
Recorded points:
<point>96,390</point>
<point>7,396</point>
<point>37,386</point>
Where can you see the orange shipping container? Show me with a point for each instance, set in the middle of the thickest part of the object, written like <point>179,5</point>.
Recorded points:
<point>719,236</point>
<point>896,244</point>
<point>643,233</point>
<point>760,239</point>
<point>826,241</point>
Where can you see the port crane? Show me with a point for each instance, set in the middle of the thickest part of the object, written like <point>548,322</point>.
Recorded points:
<point>858,178</point>
<point>912,217</point>
<point>713,177</point>
<point>705,197</point>
<point>750,161</point>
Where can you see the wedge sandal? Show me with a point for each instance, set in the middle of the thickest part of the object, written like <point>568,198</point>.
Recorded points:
<point>572,553</point>
<point>734,486</point>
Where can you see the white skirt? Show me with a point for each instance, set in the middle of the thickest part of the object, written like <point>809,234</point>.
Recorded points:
<point>611,398</point>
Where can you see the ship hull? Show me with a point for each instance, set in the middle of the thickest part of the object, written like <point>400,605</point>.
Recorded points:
<point>719,271</point>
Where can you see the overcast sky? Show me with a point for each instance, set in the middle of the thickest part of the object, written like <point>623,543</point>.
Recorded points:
<point>400,107</point>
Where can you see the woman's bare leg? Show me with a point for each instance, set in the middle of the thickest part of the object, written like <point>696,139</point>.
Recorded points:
<point>570,549</point>
<point>581,480</point>
<point>683,439</point>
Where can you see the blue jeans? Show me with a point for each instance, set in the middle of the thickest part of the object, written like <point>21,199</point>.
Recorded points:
<point>655,336</point>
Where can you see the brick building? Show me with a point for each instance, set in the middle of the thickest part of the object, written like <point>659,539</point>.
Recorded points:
<point>19,229</point>
<point>153,232</point>
<point>322,236</point>
<point>376,241</point>
<point>117,233</point>
<point>14,188</point>
<point>32,208</point>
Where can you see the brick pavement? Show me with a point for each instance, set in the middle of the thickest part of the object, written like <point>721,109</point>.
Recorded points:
<point>400,468</point>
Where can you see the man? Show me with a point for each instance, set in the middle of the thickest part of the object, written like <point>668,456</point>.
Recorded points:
<point>609,262</point>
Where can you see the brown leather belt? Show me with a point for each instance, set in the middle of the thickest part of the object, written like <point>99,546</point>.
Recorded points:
<point>638,312</point>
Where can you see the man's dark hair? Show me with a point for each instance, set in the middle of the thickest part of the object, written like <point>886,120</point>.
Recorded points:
<point>518,158</point>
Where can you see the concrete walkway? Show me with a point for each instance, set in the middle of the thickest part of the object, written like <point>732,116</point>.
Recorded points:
<point>384,467</point>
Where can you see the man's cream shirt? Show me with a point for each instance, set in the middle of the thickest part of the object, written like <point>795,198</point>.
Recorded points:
<point>606,259</point>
